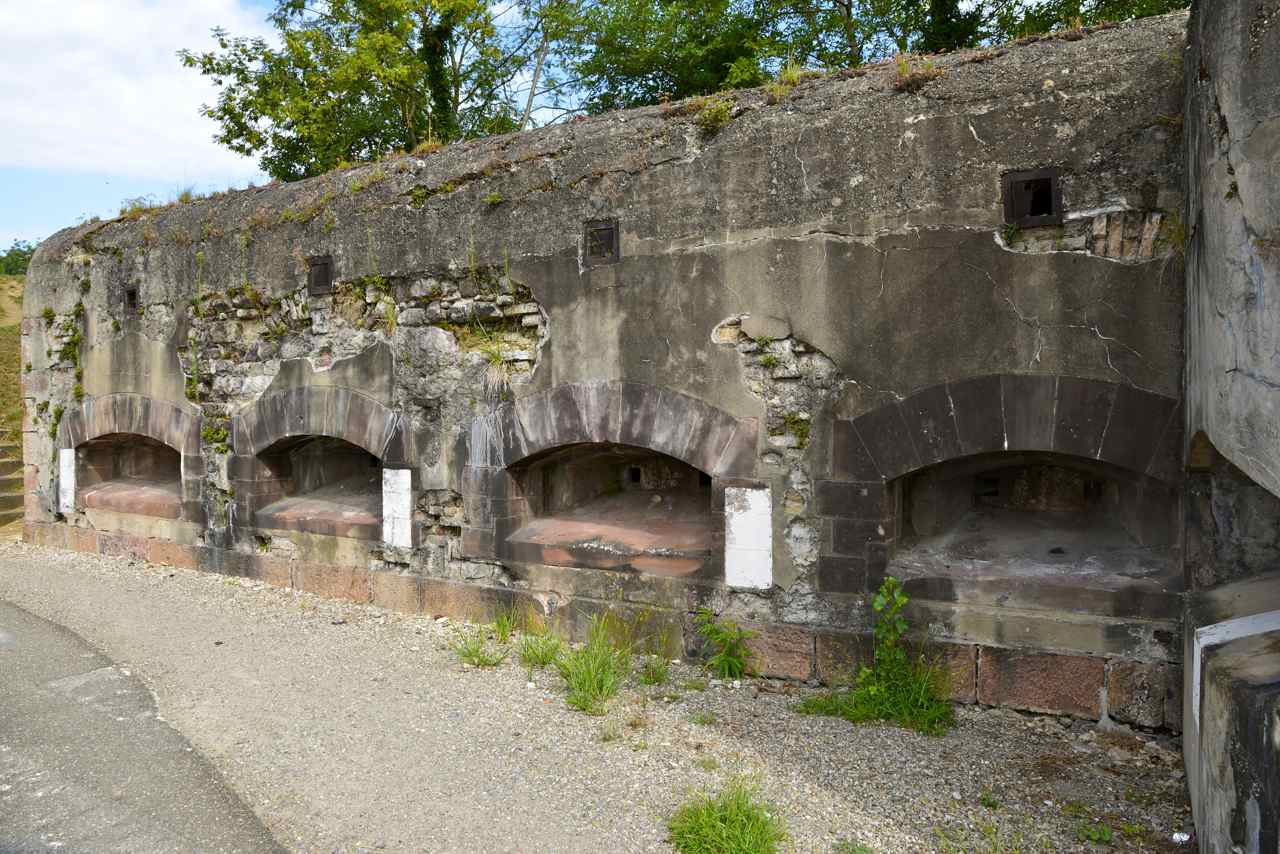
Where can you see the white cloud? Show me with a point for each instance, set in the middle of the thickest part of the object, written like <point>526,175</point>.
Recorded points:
<point>96,86</point>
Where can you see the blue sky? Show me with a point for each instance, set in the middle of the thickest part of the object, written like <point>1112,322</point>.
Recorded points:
<point>99,110</point>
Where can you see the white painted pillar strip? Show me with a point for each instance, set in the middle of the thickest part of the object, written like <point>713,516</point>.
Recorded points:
<point>397,507</point>
<point>748,538</point>
<point>1220,633</point>
<point>66,481</point>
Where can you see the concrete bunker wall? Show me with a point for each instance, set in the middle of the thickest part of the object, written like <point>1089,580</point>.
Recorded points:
<point>805,307</point>
<point>1232,619</point>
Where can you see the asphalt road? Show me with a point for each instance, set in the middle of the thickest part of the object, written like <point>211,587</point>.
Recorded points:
<point>87,766</point>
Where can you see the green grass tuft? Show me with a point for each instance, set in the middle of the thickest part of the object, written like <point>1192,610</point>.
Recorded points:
<point>539,651</point>
<point>504,625</point>
<point>654,671</point>
<point>594,672</point>
<point>732,822</point>
<point>474,650</point>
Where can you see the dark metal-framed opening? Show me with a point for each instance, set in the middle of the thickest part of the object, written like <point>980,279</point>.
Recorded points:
<point>600,241</point>
<point>319,275</point>
<point>1032,198</point>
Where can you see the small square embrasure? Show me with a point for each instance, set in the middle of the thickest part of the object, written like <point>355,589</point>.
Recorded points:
<point>602,241</point>
<point>319,276</point>
<point>1032,198</point>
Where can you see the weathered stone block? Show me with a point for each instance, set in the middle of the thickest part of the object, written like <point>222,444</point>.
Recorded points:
<point>122,545</point>
<point>475,602</point>
<point>978,413</point>
<point>172,554</point>
<point>1041,682</point>
<point>396,591</point>
<point>839,655</point>
<point>1082,411</point>
<point>332,582</point>
<point>1027,401</point>
<point>888,440</point>
<point>853,500</point>
<point>958,665</point>
<point>931,426</point>
<point>838,574</point>
<point>1137,692</point>
<point>84,540</point>
<point>781,651</point>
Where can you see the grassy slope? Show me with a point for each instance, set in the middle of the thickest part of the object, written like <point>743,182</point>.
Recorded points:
<point>10,359</point>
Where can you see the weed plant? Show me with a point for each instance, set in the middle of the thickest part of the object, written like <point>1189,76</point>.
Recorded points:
<point>537,651</point>
<point>594,672</point>
<point>727,642</point>
<point>504,625</point>
<point>732,822</point>
<point>473,649</point>
<point>904,689</point>
<point>654,671</point>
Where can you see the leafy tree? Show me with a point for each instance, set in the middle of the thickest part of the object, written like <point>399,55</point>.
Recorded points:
<point>945,27</point>
<point>15,260</point>
<point>1010,19</point>
<point>633,52</point>
<point>354,79</point>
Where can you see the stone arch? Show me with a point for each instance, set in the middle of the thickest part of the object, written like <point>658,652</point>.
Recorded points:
<point>1115,428</point>
<point>624,413</point>
<point>1115,423</point>
<point>338,413</point>
<point>130,413</point>
<point>599,413</point>
<point>313,413</point>
<point>83,464</point>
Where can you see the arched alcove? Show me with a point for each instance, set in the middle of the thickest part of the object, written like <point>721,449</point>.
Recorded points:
<point>613,506</point>
<point>320,485</point>
<point>129,473</point>
<point>1035,515</point>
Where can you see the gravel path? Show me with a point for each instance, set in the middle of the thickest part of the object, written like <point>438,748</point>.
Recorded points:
<point>348,728</point>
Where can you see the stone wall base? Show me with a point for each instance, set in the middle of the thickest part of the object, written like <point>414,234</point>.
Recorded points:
<point>1143,693</point>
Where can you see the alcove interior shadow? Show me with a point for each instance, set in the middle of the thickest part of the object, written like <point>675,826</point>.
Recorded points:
<point>616,507</point>
<point>128,473</point>
<point>1040,523</point>
<point>322,485</point>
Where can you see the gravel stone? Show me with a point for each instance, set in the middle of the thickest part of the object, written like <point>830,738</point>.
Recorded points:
<point>346,727</point>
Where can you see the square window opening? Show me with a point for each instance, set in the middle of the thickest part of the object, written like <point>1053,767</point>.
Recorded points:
<point>319,276</point>
<point>1032,198</point>
<point>601,241</point>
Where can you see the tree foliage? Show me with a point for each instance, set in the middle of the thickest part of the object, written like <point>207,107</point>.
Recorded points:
<point>354,79</point>
<point>633,52</point>
<point>15,260</point>
<point>351,80</point>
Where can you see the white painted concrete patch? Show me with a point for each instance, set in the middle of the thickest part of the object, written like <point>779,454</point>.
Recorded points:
<point>397,507</point>
<point>66,480</point>
<point>748,537</point>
